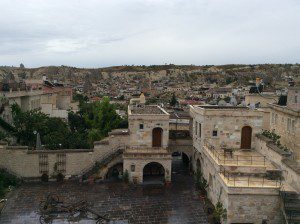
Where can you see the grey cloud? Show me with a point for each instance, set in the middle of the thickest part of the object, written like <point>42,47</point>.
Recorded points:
<point>111,32</point>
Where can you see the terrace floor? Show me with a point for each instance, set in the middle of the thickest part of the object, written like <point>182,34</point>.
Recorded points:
<point>241,158</point>
<point>120,203</point>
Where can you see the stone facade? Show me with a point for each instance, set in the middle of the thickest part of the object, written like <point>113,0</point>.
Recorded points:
<point>149,139</point>
<point>293,98</point>
<point>286,123</point>
<point>291,174</point>
<point>223,125</point>
<point>242,190</point>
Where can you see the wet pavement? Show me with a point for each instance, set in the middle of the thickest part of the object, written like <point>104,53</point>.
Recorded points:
<point>122,204</point>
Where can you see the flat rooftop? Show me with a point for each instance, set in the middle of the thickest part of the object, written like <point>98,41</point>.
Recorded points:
<point>147,110</point>
<point>220,107</point>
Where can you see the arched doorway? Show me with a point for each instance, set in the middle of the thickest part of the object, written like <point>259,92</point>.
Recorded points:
<point>180,164</point>
<point>157,137</point>
<point>115,171</point>
<point>153,172</point>
<point>185,159</point>
<point>246,136</point>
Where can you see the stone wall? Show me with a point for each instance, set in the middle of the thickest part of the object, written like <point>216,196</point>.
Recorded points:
<point>286,123</point>
<point>143,137</point>
<point>290,174</point>
<point>252,208</point>
<point>26,163</point>
<point>140,163</point>
<point>263,100</point>
<point>228,124</point>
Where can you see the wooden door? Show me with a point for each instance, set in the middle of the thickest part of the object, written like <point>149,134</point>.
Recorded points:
<point>246,137</point>
<point>157,137</point>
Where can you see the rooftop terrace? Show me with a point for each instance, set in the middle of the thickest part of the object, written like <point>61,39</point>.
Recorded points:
<point>147,110</point>
<point>220,107</point>
<point>238,157</point>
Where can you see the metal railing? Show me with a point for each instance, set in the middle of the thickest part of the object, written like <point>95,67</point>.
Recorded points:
<point>102,157</point>
<point>233,180</point>
<point>230,159</point>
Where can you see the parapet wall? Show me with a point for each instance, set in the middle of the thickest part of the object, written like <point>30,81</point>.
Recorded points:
<point>291,171</point>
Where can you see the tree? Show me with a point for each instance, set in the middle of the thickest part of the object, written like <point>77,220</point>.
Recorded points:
<point>80,98</point>
<point>55,134</point>
<point>94,120</point>
<point>173,101</point>
<point>91,123</point>
<point>103,117</point>
<point>26,123</point>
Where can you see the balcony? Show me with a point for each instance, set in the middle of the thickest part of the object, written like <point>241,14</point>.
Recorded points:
<point>228,157</point>
<point>235,180</point>
<point>144,150</point>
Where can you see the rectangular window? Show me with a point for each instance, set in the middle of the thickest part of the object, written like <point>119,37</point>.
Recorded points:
<point>199,130</point>
<point>43,164</point>
<point>196,128</point>
<point>61,163</point>
<point>141,126</point>
<point>215,133</point>
<point>132,168</point>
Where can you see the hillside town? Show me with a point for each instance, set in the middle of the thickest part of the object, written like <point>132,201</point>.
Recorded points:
<point>228,135</point>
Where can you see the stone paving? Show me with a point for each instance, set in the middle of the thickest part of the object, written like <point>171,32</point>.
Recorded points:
<point>119,202</point>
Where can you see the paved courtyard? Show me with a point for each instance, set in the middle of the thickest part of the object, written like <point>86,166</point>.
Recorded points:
<point>120,203</point>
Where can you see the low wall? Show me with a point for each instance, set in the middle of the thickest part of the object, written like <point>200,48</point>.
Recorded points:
<point>26,163</point>
<point>291,171</point>
<point>254,208</point>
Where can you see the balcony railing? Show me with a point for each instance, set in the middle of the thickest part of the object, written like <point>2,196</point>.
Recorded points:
<point>228,158</point>
<point>234,180</point>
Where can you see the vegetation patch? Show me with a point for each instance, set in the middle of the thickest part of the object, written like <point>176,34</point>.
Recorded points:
<point>7,182</point>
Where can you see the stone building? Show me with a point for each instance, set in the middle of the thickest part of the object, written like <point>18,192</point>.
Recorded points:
<point>262,99</point>
<point>27,100</point>
<point>285,121</point>
<point>147,157</point>
<point>256,179</point>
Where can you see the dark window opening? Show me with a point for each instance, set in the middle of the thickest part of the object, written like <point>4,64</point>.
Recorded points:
<point>141,126</point>
<point>215,133</point>
<point>132,168</point>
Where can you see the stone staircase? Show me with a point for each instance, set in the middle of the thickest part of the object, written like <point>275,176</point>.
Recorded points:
<point>101,162</point>
<point>291,207</point>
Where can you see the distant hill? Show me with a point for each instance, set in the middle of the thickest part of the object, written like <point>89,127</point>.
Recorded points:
<point>227,73</point>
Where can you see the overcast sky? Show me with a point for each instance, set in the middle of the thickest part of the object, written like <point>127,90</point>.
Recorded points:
<point>97,33</point>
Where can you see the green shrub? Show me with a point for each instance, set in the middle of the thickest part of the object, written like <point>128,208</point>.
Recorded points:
<point>126,176</point>
<point>219,213</point>
<point>275,139</point>
<point>200,182</point>
<point>7,180</point>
